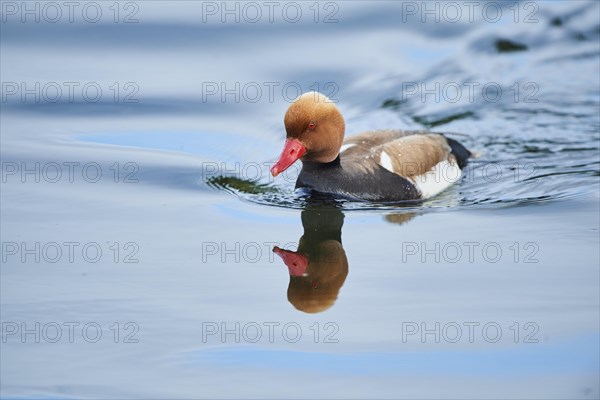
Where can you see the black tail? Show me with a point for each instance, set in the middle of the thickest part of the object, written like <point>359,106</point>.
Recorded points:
<point>460,152</point>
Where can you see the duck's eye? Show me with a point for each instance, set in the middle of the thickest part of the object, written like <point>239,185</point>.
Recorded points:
<point>312,125</point>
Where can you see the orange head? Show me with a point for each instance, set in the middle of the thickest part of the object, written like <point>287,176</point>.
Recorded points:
<point>314,131</point>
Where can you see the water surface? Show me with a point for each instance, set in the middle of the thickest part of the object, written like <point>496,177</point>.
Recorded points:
<point>186,216</point>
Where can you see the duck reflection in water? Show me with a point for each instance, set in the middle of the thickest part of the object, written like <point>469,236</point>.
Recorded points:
<point>319,267</point>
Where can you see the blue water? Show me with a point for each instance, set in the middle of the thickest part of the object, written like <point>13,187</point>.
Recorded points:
<point>178,273</point>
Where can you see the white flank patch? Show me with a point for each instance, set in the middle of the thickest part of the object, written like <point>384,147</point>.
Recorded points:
<point>386,162</point>
<point>346,147</point>
<point>437,179</point>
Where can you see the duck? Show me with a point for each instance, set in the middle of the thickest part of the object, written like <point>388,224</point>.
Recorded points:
<point>384,165</point>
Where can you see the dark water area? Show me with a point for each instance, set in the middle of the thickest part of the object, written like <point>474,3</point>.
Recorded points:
<point>136,202</point>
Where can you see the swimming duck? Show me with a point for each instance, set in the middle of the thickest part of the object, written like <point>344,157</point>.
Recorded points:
<point>380,165</point>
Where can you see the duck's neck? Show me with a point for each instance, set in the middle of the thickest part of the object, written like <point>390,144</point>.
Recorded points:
<point>312,165</point>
